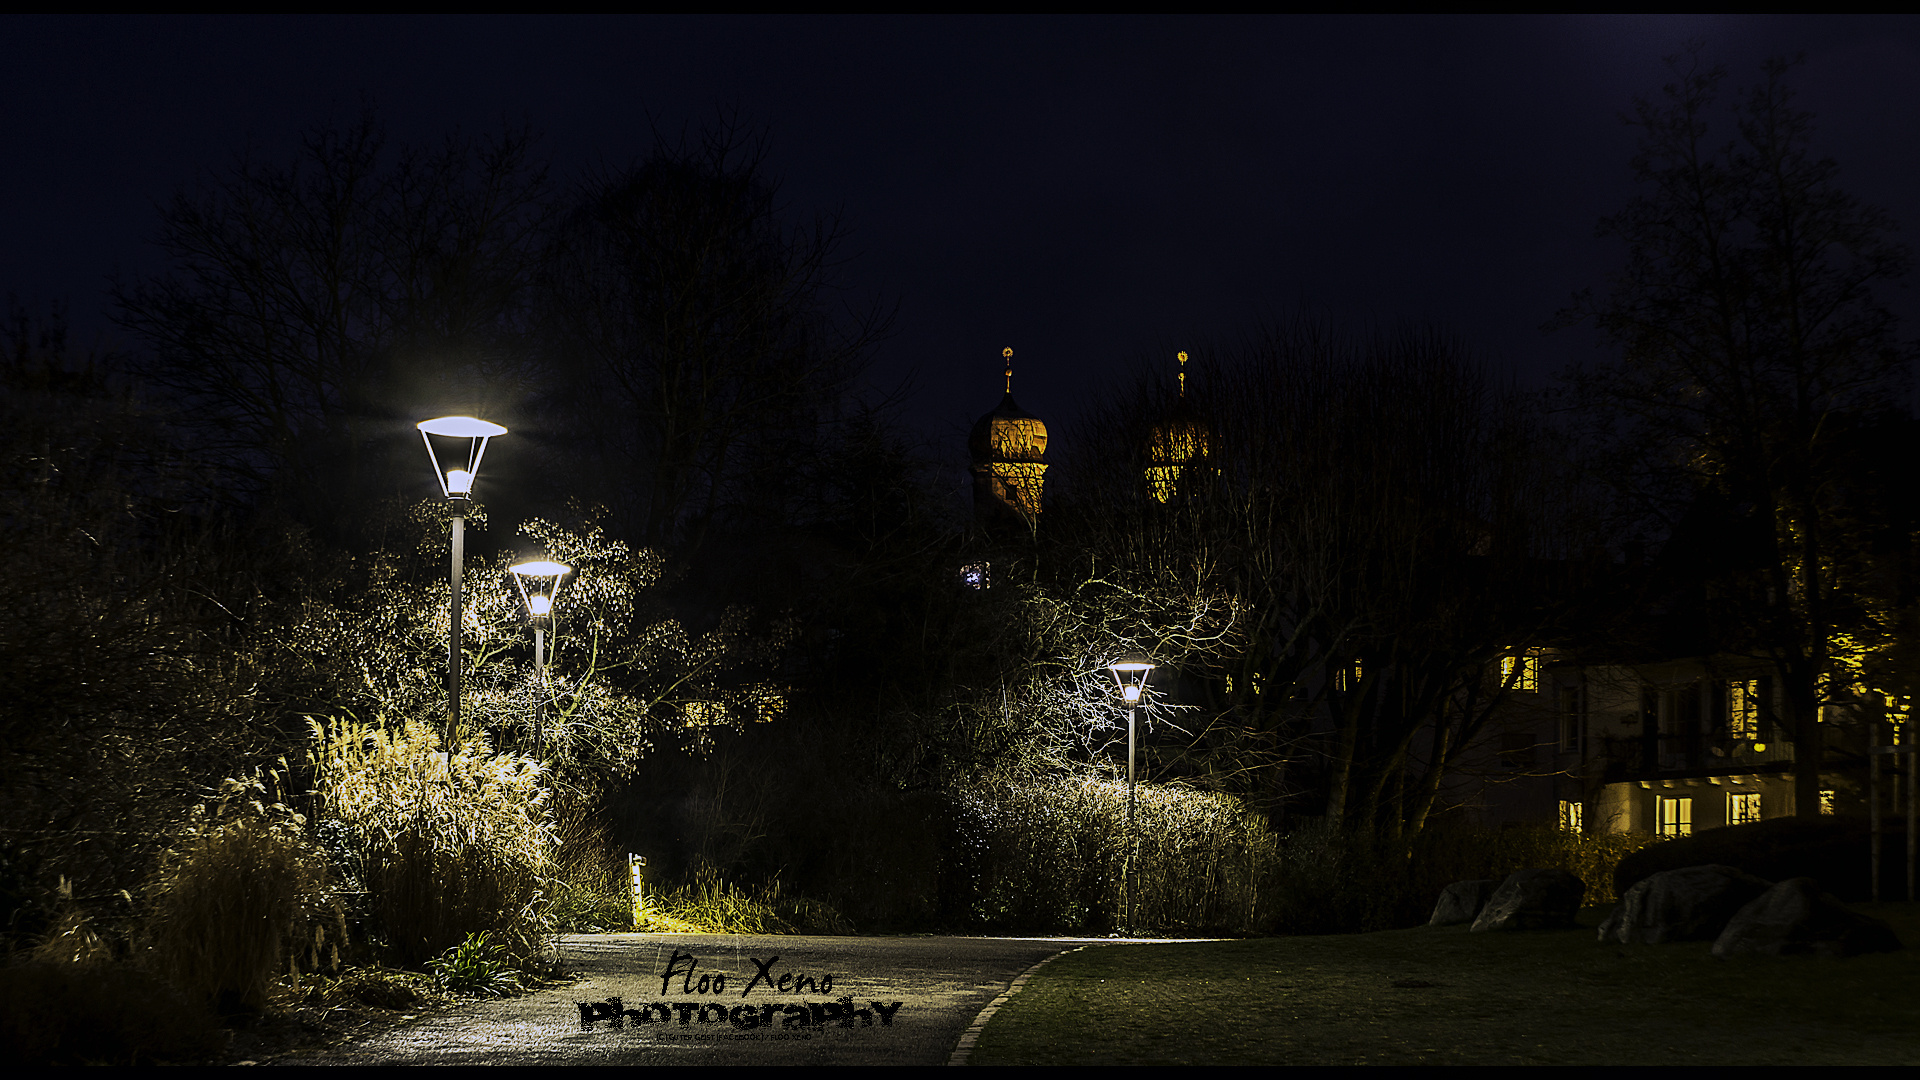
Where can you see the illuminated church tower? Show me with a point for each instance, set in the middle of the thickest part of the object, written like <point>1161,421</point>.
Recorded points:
<point>1009,449</point>
<point>1178,448</point>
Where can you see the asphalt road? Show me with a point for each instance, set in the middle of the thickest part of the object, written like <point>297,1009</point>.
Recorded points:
<point>893,1001</point>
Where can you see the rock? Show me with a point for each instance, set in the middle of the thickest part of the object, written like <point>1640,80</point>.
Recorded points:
<point>1831,850</point>
<point>1796,917</point>
<point>1462,902</point>
<point>1540,899</point>
<point>1693,904</point>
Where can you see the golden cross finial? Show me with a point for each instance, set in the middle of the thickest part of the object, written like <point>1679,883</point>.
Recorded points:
<point>1008,353</point>
<point>1183,374</point>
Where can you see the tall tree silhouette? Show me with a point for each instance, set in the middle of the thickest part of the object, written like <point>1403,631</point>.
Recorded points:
<point>696,348</point>
<point>315,307</point>
<point>1748,342</point>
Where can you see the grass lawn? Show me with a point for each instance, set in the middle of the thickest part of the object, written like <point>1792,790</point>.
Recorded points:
<point>1446,997</point>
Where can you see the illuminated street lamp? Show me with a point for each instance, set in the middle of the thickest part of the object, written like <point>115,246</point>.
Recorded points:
<point>539,583</point>
<point>1130,675</point>
<point>465,438</point>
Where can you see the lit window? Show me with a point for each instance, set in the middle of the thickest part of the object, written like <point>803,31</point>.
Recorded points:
<point>1826,802</point>
<point>1743,709</point>
<point>1521,671</point>
<point>976,576</point>
<point>1743,807</point>
<point>1572,815</point>
<point>1676,816</point>
<point>1347,678</point>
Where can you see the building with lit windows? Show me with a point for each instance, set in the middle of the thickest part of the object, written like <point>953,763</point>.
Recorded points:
<point>1670,747</point>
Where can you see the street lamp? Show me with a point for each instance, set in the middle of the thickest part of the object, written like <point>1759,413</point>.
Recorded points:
<point>539,583</point>
<point>1130,675</point>
<point>457,433</point>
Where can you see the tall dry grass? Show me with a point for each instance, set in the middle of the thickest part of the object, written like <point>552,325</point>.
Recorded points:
<point>240,898</point>
<point>444,845</point>
<point>710,904</point>
<point>592,890</point>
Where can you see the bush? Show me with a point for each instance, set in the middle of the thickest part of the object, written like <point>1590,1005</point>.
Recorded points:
<point>711,905</point>
<point>378,987</point>
<point>1835,851</point>
<point>591,889</point>
<point>445,846</point>
<point>1333,881</point>
<point>476,967</point>
<point>243,897</point>
<point>1050,854</point>
<point>98,1014</point>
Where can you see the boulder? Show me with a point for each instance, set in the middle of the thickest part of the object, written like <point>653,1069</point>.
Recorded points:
<point>1462,902</point>
<point>1539,899</point>
<point>1796,917</point>
<point>1691,904</point>
<point>1831,850</point>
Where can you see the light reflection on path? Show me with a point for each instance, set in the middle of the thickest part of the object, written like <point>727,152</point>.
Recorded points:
<point>941,983</point>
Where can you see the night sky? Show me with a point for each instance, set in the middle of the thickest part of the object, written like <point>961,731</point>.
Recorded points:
<point>1095,193</point>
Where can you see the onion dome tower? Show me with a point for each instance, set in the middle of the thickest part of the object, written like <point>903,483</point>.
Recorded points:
<point>1178,448</point>
<point>1009,449</point>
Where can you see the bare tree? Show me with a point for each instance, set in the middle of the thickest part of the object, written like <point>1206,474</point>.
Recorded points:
<point>311,306</point>
<point>1748,346</point>
<point>695,342</point>
<point>123,685</point>
<point>1374,505</point>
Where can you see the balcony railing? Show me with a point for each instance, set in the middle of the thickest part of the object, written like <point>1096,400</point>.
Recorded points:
<point>1692,753</point>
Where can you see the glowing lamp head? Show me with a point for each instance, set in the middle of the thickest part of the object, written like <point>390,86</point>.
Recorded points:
<point>1130,674</point>
<point>458,433</point>
<point>461,427</point>
<point>539,583</point>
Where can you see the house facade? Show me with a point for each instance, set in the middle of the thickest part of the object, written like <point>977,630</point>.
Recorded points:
<point>1670,748</point>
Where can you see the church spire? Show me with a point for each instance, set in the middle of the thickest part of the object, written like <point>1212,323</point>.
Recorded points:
<point>1009,451</point>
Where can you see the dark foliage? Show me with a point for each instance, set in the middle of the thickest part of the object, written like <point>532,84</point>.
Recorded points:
<point>1831,850</point>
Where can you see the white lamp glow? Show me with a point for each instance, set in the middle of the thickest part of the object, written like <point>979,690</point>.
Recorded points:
<point>539,582</point>
<point>457,482</point>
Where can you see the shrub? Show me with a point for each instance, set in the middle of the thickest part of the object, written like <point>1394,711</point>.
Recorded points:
<point>105,1014</point>
<point>1334,881</point>
<point>242,897</point>
<point>378,987</point>
<point>71,939</point>
<point>445,845</point>
<point>1050,854</point>
<point>591,889</point>
<point>709,904</point>
<point>1835,851</point>
<point>477,967</point>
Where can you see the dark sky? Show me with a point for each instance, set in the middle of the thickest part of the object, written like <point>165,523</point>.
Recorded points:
<point>1091,192</point>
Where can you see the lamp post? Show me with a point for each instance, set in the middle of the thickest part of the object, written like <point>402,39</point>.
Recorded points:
<point>539,583</point>
<point>456,483</point>
<point>1130,675</point>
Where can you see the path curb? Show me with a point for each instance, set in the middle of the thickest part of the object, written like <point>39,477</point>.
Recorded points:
<point>964,1048</point>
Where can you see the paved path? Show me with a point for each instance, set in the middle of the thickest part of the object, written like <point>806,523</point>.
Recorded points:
<point>939,984</point>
